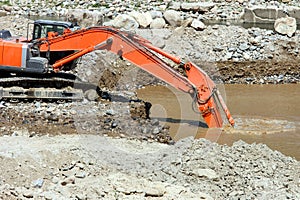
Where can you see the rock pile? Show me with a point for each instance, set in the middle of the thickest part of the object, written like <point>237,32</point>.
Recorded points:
<point>119,119</point>
<point>145,14</point>
<point>15,24</point>
<point>94,167</point>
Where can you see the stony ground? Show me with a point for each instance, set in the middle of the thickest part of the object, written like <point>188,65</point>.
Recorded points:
<point>110,150</point>
<point>93,167</point>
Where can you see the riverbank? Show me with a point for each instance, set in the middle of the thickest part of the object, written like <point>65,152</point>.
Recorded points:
<point>214,9</point>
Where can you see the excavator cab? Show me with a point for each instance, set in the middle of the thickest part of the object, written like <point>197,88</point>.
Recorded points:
<point>41,28</point>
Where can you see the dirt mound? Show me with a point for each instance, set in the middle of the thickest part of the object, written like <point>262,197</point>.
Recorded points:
<point>108,79</point>
<point>140,110</point>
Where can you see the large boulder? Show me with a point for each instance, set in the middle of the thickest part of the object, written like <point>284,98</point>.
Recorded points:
<point>123,21</point>
<point>156,14</point>
<point>7,8</point>
<point>174,5</point>
<point>158,23</point>
<point>144,19</point>
<point>286,26</point>
<point>173,17</point>
<point>269,14</point>
<point>85,18</point>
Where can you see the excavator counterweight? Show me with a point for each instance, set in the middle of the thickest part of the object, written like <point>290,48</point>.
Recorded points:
<point>62,46</point>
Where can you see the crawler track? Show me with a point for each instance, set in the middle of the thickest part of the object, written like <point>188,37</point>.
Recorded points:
<point>51,86</point>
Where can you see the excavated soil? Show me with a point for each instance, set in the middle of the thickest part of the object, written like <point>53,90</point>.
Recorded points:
<point>263,72</point>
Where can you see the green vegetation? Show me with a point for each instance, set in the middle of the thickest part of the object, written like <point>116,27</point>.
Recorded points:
<point>96,5</point>
<point>5,2</point>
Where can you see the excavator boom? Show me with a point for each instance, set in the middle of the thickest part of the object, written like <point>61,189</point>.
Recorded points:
<point>144,55</point>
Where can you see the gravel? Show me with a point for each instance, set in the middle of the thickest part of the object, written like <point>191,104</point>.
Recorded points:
<point>93,167</point>
<point>214,9</point>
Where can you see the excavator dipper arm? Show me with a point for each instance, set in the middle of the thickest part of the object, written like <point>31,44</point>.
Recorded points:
<point>144,55</point>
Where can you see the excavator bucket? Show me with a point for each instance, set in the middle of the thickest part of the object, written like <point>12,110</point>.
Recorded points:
<point>207,96</point>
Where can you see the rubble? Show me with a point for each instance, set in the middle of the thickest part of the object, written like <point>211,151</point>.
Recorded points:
<point>100,167</point>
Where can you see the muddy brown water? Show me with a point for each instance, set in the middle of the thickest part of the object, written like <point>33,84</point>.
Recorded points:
<point>268,114</point>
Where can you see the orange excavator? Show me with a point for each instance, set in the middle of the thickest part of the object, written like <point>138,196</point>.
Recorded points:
<point>33,68</point>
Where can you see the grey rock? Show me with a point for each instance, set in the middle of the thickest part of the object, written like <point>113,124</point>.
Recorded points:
<point>155,122</point>
<point>38,183</point>
<point>28,194</point>
<point>81,174</point>
<point>173,17</point>
<point>246,56</point>
<point>175,5</point>
<point>37,104</point>
<point>228,55</point>
<point>253,48</point>
<point>231,49</point>
<point>208,173</point>
<point>80,165</point>
<point>286,26</point>
<point>55,180</point>
<point>272,48</point>
<point>158,23</point>
<point>269,32</point>
<point>123,21</point>
<point>50,109</point>
<point>144,19</point>
<point>53,117</point>
<point>145,130</point>
<point>218,48</point>
<point>198,25</point>
<point>243,46</point>
<point>156,14</point>
<point>114,124</point>
<point>111,112</point>
<point>156,130</point>
<point>2,104</point>
<point>268,14</point>
<point>157,190</point>
<point>91,95</point>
